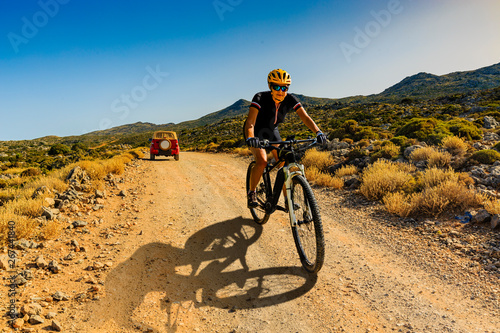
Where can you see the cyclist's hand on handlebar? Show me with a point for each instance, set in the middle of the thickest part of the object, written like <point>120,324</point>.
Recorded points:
<point>253,142</point>
<point>321,138</point>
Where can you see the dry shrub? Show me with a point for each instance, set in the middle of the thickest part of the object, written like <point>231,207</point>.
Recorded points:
<point>459,195</point>
<point>384,177</point>
<point>16,182</point>
<point>432,156</point>
<point>243,151</point>
<point>317,177</point>
<point>27,207</point>
<point>434,176</point>
<point>137,153</point>
<point>439,159</point>
<point>465,179</point>
<point>421,154</point>
<point>492,206</point>
<point>346,170</point>
<point>52,182</point>
<point>449,195</point>
<point>429,202</point>
<point>24,226</point>
<point>31,172</point>
<point>398,203</point>
<point>94,169</point>
<point>13,171</point>
<point>114,165</point>
<point>319,159</point>
<point>51,229</point>
<point>7,195</point>
<point>454,145</point>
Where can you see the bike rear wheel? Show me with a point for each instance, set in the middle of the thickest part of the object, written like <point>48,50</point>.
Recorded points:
<point>308,233</point>
<point>258,213</point>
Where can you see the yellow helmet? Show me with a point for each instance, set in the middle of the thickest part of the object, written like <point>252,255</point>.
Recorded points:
<point>279,77</point>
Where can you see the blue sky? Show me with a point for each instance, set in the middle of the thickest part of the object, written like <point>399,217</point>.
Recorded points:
<point>68,67</point>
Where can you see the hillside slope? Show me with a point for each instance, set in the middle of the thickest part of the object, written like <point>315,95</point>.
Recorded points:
<point>425,85</point>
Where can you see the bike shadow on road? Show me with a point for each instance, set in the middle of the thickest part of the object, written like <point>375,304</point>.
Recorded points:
<point>211,270</point>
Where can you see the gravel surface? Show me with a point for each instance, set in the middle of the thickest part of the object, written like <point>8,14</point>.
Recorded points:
<point>173,249</point>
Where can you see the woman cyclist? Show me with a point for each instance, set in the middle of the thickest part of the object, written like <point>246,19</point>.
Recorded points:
<point>267,111</point>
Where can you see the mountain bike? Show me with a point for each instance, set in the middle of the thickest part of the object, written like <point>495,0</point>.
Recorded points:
<point>300,203</point>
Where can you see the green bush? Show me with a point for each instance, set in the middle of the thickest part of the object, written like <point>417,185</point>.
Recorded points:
<point>388,151</point>
<point>464,129</point>
<point>365,133</point>
<point>356,153</point>
<point>418,128</point>
<point>486,156</point>
<point>79,146</point>
<point>59,149</point>
<point>434,131</point>
<point>400,140</point>
<point>350,126</point>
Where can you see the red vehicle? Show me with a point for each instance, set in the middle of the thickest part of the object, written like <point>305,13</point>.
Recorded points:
<point>164,143</point>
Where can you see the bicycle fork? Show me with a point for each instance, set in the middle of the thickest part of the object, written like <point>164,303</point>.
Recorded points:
<point>288,185</point>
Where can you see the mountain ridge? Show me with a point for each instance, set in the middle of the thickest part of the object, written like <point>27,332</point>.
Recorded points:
<point>419,86</point>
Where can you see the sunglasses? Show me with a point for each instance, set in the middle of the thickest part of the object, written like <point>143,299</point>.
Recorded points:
<point>278,88</point>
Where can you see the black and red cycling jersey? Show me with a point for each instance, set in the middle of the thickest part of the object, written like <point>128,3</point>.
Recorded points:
<point>268,118</point>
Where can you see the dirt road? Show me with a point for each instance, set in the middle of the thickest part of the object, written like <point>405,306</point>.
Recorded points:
<point>181,254</point>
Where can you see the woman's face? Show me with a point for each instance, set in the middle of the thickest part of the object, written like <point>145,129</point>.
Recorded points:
<point>278,92</point>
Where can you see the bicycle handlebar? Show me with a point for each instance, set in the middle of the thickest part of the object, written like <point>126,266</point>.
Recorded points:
<point>270,144</point>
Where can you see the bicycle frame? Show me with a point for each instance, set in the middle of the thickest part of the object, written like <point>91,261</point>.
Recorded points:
<point>284,177</point>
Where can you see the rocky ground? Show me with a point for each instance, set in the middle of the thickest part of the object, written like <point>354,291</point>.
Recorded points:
<point>169,246</point>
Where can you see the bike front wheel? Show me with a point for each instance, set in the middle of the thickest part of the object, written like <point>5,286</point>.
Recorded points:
<point>258,213</point>
<point>308,231</point>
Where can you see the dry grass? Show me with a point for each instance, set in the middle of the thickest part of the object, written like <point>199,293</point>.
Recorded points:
<point>27,207</point>
<point>422,154</point>
<point>137,153</point>
<point>51,229</point>
<point>434,176</point>
<point>94,169</point>
<point>114,165</point>
<point>51,181</point>
<point>433,157</point>
<point>12,171</point>
<point>22,209</point>
<point>440,159</point>
<point>384,177</point>
<point>24,227</point>
<point>317,177</point>
<point>397,203</point>
<point>492,206</point>
<point>318,159</point>
<point>346,170</point>
<point>243,151</point>
<point>443,191</point>
<point>454,145</point>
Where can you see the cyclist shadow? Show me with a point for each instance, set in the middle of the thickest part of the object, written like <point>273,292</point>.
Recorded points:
<point>197,274</point>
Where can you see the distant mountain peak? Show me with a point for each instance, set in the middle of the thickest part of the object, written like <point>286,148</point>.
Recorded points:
<point>426,85</point>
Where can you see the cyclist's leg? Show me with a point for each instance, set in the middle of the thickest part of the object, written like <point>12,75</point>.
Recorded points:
<point>260,156</point>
